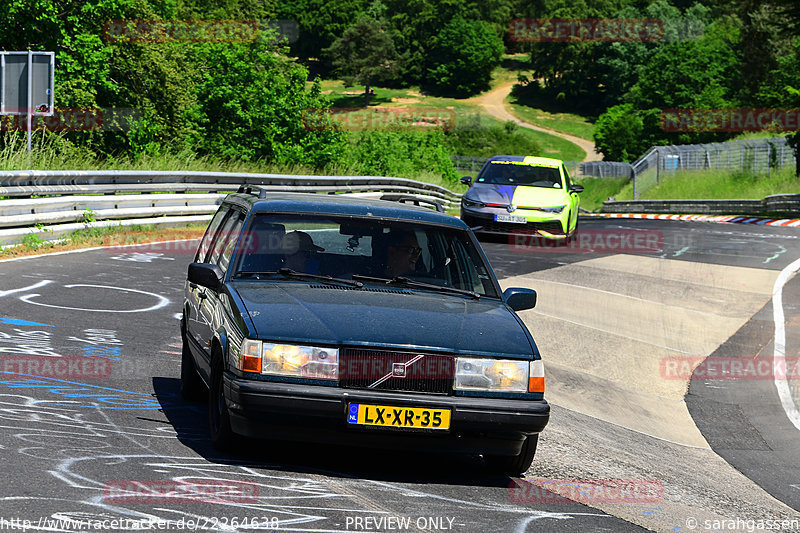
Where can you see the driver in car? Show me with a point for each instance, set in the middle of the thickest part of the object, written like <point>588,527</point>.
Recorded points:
<point>402,253</point>
<point>300,252</point>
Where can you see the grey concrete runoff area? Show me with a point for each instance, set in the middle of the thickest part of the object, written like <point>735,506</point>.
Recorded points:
<point>658,422</point>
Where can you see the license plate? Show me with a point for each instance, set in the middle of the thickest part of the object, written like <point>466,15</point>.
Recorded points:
<point>398,417</point>
<point>510,218</point>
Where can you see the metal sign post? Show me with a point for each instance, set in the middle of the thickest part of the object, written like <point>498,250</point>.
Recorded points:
<point>27,85</point>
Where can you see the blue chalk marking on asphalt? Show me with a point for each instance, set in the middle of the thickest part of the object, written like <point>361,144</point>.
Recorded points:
<point>18,322</point>
<point>54,386</point>
<point>109,352</point>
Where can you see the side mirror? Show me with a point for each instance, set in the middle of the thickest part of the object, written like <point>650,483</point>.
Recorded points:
<point>520,299</point>
<point>576,188</point>
<point>206,275</point>
<point>466,180</point>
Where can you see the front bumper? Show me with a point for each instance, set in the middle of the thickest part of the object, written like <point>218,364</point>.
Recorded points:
<point>481,220</point>
<point>288,411</point>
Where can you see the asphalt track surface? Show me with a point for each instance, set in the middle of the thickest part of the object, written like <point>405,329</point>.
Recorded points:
<point>66,443</point>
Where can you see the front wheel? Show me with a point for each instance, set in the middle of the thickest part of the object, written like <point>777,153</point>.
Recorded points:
<point>218,416</point>
<point>515,465</point>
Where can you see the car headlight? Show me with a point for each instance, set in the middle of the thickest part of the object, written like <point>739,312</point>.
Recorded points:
<point>557,209</point>
<point>497,375</point>
<point>311,362</point>
<point>471,203</point>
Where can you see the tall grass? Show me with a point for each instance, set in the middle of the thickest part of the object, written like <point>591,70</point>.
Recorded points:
<point>718,184</point>
<point>598,190</point>
<point>54,152</point>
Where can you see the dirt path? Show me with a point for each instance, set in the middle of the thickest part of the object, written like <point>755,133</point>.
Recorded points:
<point>494,104</point>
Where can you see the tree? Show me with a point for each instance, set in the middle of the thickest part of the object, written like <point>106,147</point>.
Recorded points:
<point>320,23</point>
<point>251,104</point>
<point>363,53</point>
<point>463,57</point>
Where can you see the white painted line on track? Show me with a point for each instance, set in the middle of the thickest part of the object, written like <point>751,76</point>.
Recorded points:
<point>779,357</point>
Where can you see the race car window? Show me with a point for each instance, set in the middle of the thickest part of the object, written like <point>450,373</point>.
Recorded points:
<point>518,173</point>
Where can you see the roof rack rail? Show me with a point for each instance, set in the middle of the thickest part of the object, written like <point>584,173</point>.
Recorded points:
<point>253,189</point>
<point>414,200</point>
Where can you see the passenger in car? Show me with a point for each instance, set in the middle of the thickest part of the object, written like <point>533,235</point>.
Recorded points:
<point>300,252</point>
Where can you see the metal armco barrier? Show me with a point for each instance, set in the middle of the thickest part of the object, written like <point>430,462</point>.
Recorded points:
<point>780,204</point>
<point>75,200</point>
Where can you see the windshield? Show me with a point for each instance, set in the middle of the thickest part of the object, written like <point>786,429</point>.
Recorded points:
<point>519,173</point>
<point>343,248</point>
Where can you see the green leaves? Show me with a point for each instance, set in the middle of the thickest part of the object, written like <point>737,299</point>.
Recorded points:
<point>464,54</point>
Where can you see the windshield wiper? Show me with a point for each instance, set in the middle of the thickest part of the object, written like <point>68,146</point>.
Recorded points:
<point>289,273</point>
<point>402,280</point>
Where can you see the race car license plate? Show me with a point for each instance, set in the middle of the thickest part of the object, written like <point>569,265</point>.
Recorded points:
<point>510,218</point>
<point>398,417</point>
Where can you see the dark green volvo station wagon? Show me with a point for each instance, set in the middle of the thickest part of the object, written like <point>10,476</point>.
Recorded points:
<point>331,318</point>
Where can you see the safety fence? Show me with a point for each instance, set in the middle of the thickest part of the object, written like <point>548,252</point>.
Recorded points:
<point>780,205</point>
<point>50,204</point>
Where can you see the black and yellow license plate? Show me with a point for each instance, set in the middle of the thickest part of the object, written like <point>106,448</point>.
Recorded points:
<point>398,417</point>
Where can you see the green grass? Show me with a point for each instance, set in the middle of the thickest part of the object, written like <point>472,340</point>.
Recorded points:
<point>467,113</point>
<point>105,236</point>
<point>718,184</point>
<point>52,157</point>
<point>540,113</point>
<point>598,190</point>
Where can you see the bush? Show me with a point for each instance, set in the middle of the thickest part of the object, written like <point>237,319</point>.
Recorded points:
<point>472,138</point>
<point>400,153</point>
<point>618,133</point>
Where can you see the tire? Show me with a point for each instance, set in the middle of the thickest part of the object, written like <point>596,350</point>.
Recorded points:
<point>515,465</point>
<point>192,387</point>
<point>218,418</point>
<point>574,235</point>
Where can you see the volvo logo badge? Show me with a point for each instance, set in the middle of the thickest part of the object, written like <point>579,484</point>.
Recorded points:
<point>398,370</point>
<point>511,208</point>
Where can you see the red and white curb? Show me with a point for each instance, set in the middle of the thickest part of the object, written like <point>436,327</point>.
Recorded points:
<point>784,222</point>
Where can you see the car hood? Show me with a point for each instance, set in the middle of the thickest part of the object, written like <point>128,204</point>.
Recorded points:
<point>519,195</point>
<point>383,317</point>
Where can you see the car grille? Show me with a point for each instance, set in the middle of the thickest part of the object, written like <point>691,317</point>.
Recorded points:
<point>383,370</point>
<point>553,227</point>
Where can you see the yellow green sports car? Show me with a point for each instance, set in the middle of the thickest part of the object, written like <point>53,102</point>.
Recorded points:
<point>522,193</point>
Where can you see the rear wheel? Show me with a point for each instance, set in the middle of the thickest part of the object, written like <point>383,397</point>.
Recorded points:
<point>218,417</point>
<point>192,387</point>
<point>515,465</point>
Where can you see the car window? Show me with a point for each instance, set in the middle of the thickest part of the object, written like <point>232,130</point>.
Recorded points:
<point>230,243</point>
<point>567,181</point>
<point>341,248</point>
<point>519,173</point>
<point>225,233</point>
<point>211,233</point>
